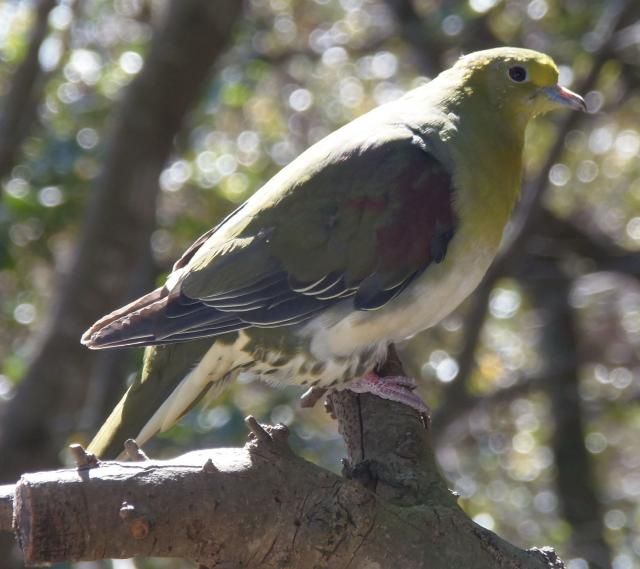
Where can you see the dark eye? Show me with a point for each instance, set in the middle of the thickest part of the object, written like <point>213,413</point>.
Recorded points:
<point>518,73</point>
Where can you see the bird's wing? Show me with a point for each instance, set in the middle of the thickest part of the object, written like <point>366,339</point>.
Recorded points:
<point>356,225</point>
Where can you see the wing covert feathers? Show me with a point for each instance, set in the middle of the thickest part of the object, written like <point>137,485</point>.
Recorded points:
<point>351,225</point>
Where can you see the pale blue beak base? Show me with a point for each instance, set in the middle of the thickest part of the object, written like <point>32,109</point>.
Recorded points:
<point>565,97</point>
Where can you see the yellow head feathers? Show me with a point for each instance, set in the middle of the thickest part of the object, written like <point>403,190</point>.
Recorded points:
<point>522,82</point>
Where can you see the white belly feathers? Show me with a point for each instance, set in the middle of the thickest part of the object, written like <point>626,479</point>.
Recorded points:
<point>429,299</point>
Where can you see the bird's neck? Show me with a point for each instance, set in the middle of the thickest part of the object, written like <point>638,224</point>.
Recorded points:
<point>487,153</point>
<point>479,142</point>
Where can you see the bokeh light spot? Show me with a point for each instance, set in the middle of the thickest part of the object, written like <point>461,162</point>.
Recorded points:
<point>24,313</point>
<point>51,196</point>
<point>485,520</point>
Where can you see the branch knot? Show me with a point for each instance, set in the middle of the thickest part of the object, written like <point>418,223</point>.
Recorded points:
<point>82,458</point>
<point>139,527</point>
<point>273,438</point>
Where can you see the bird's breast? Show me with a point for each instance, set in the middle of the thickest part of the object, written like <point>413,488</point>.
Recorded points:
<point>426,301</point>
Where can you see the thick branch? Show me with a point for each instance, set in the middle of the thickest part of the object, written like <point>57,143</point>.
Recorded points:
<point>390,452</point>
<point>389,447</point>
<point>283,510</point>
<point>264,507</point>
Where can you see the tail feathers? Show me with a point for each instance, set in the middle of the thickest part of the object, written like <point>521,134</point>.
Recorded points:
<point>186,396</point>
<point>108,443</point>
<point>170,385</point>
<point>219,361</point>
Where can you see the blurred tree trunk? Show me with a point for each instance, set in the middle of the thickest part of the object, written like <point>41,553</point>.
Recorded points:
<point>20,104</point>
<point>115,236</point>
<point>549,290</point>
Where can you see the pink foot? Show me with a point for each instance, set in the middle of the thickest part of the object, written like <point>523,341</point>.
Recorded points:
<point>394,388</point>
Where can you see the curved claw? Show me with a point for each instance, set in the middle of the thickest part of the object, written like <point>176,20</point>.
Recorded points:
<point>392,388</point>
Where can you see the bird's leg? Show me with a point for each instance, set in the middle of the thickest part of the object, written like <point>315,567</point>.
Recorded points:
<point>394,388</point>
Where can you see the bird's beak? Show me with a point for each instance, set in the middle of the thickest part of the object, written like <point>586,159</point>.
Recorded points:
<point>562,96</point>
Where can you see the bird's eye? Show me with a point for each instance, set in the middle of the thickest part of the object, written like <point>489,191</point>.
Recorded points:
<point>517,73</point>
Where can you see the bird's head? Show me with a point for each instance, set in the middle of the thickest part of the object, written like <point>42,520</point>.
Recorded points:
<point>522,82</point>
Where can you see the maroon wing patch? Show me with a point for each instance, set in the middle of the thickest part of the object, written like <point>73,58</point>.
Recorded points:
<point>418,225</point>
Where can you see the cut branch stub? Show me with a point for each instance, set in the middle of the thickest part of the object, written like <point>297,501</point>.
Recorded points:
<point>133,452</point>
<point>209,467</point>
<point>274,439</point>
<point>82,458</point>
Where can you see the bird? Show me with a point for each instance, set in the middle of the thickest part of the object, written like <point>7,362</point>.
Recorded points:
<point>373,234</point>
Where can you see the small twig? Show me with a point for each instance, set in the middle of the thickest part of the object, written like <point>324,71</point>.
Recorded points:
<point>258,431</point>
<point>81,457</point>
<point>209,467</point>
<point>133,451</point>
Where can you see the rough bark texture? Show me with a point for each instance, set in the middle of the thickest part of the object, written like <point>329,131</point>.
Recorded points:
<point>266,507</point>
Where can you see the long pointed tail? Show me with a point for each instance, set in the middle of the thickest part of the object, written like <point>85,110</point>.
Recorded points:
<point>173,379</point>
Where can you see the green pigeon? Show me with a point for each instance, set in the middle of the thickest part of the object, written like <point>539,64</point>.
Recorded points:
<point>373,234</point>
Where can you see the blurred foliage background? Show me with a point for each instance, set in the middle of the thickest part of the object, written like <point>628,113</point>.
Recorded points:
<point>533,382</point>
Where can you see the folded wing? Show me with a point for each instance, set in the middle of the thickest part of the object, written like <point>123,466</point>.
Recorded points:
<point>355,226</point>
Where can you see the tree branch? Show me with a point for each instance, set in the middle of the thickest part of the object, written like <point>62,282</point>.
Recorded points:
<point>284,510</point>
<point>392,510</point>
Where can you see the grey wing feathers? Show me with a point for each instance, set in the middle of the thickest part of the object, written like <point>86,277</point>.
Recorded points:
<point>175,317</point>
